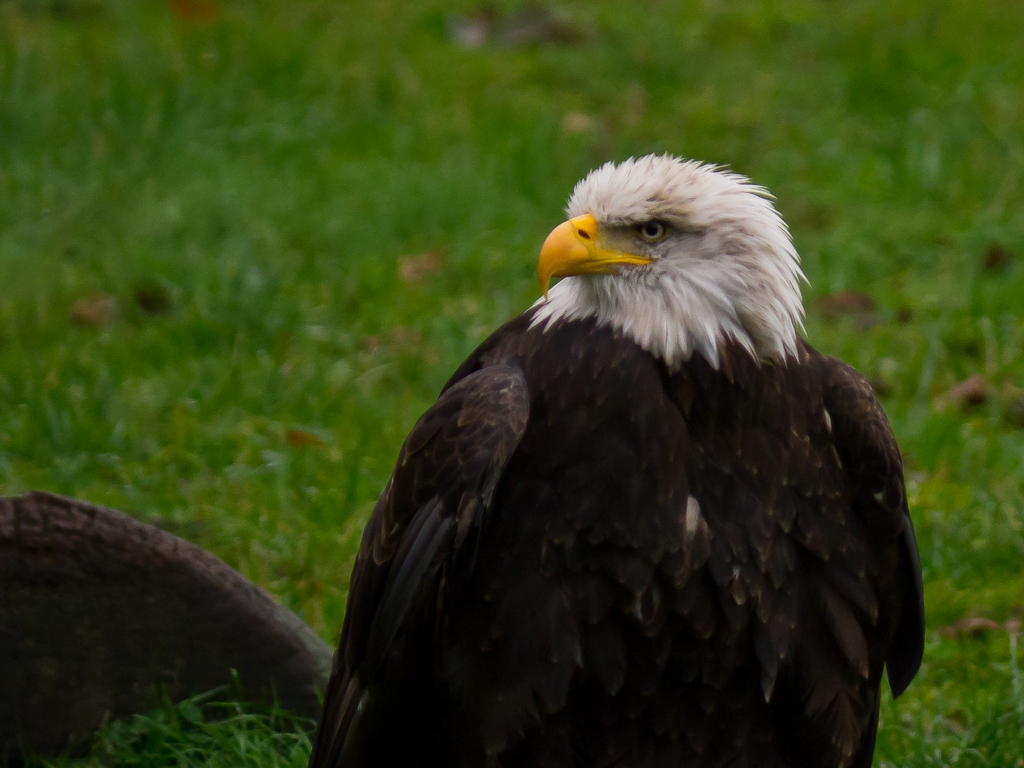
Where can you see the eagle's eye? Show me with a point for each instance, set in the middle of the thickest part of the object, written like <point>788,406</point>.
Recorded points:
<point>652,231</point>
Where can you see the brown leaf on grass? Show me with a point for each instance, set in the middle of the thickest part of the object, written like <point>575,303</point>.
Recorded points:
<point>996,257</point>
<point>536,25</point>
<point>860,306</point>
<point>972,391</point>
<point>94,309</point>
<point>300,438</point>
<point>152,298</point>
<point>532,25</point>
<point>194,11</point>
<point>844,303</point>
<point>975,626</point>
<point>416,269</point>
<point>970,626</point>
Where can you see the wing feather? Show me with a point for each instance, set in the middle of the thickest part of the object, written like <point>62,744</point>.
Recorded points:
<point>428,517</point>
<point>868,447</point>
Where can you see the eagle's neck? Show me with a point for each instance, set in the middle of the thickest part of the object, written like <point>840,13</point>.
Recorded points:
<point>675,318</point>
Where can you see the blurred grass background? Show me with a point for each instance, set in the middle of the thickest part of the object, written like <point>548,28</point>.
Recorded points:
<point>243,243</point>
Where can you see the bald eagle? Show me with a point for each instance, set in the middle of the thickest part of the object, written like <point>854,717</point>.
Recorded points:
<point>644,524</point>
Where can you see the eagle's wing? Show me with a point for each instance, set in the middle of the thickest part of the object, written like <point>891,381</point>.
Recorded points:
<point>868,449</point>
<point>878,551</point>
<point>429,515</point>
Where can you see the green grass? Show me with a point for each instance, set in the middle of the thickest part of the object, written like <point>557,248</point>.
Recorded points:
<point>263,173</point>
<point>200,731</point>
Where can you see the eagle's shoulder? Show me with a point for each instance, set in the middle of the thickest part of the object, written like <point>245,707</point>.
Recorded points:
<point>863,434</point>
<point>500,346</point>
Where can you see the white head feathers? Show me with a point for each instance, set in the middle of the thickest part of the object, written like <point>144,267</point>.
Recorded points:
<point>725,269</point>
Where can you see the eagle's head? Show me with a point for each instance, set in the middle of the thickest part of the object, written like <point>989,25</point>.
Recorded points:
<point>680,256</point>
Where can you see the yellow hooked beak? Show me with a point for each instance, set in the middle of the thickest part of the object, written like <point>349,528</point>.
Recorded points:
<point>574,248</point>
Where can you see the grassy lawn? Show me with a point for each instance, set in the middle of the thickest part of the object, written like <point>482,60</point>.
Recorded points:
<point>243,245</point>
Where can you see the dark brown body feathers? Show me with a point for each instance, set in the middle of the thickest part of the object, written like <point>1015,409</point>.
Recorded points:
<point>585,559</point>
